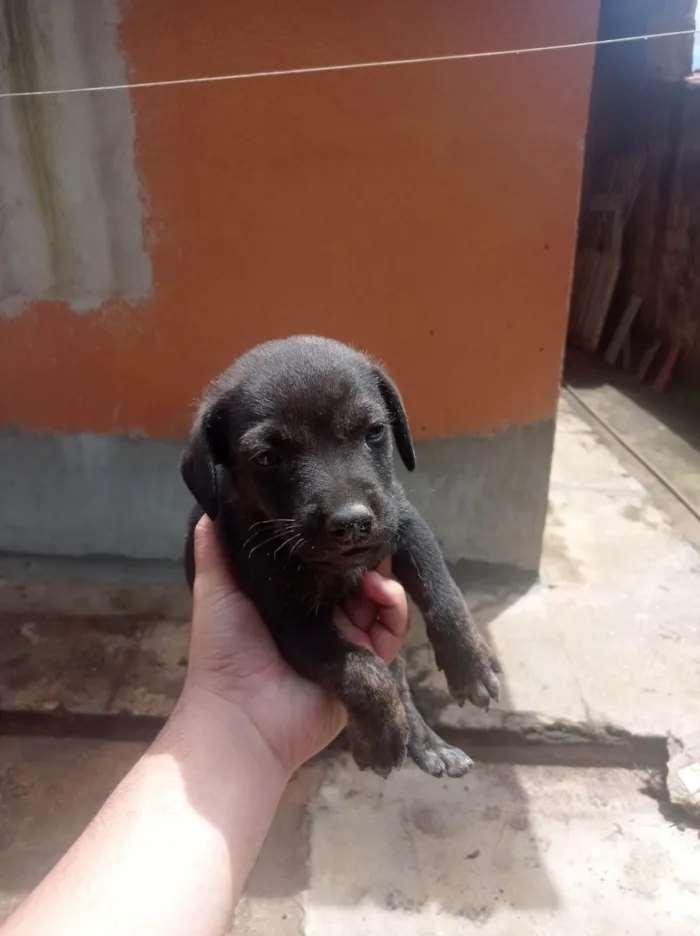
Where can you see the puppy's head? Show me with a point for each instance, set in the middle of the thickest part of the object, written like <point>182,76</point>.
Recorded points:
<point>303,429</point>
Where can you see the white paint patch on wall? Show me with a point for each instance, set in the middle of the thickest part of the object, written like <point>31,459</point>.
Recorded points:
<point>71,211</point>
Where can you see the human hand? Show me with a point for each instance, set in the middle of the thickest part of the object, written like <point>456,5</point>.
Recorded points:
<point>235,668</point>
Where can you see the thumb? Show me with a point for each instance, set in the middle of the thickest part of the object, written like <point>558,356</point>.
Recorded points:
<point>211,572</point>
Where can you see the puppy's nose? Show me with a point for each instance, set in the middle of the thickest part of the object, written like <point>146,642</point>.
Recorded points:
<point>351,525</point>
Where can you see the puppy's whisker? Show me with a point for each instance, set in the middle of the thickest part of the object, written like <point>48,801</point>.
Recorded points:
<point>275,536</point>
<point>282,545</point>
<point>281,520</point>
<point>289,525</point>
<point>251,538</point>
<point>266,542</point>
<point>300,542</point>
<point>257,528</point>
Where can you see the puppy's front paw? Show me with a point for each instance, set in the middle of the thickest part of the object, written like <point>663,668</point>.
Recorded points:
<point>471,672</point>
<point>378,746</point>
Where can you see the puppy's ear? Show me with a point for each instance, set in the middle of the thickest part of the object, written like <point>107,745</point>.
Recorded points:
<point>399,420</point>
<point>200,458</point>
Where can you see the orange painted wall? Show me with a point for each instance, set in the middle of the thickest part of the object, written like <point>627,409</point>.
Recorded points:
<point>425,213</point>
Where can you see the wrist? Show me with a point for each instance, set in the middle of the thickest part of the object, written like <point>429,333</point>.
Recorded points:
<point>222,734</point>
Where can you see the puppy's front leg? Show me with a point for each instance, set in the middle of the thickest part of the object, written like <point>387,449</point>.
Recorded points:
<point>377,721</point>
<point>460,651</point>
<point>428,750</point>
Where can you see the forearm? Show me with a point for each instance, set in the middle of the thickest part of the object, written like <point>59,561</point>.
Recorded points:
<point>170,851</point>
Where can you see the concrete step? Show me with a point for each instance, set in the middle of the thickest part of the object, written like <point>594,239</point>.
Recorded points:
<point>92,587</point>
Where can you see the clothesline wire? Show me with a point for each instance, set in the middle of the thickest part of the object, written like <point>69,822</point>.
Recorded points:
<point>319,69</point>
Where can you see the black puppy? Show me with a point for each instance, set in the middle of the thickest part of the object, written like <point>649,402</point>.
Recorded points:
<point>291,455</point>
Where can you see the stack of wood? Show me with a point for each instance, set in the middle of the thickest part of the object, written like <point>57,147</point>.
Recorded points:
<point>620,350</point>
<point>598,265</point>
<point>599,256</point>
<point>668,363</point>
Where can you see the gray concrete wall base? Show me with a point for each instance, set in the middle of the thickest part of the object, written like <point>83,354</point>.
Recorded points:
<point>485,497</point>
<point>97,496</point>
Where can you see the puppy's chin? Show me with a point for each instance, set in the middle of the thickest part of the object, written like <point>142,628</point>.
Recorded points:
<point>348,562</point>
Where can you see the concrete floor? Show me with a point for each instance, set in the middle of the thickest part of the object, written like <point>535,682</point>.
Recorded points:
<point>602,656</point>
<point>663,429</point>
<point>513,850</point>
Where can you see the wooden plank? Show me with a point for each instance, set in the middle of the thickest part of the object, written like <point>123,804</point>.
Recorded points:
<point>607,202</point>
<point>647,359</point>
<point>599,254</point>
<point>596,277</point>
<point>622,330</point>
<point>627,353</point>
<point>667,368</point>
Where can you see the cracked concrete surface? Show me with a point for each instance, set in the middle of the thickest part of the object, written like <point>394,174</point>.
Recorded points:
<point>513,850</point>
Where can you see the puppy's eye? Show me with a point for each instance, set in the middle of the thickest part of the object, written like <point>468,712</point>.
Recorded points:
<point>267,458</point>
<point>375,433</point>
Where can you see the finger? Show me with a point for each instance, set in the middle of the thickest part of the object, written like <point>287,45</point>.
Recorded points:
<point>361,611</point>
<point>208,560</point>
<point>210,569</point>
<point>383,642</point>
<point>384,605</point>
<point>350,632</point>
<point>390,625</point>
<point>389,596</point>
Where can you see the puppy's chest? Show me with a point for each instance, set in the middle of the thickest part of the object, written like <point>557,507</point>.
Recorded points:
<point>333,587</point>
<point>302,589</point>
<point>307,590</point>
